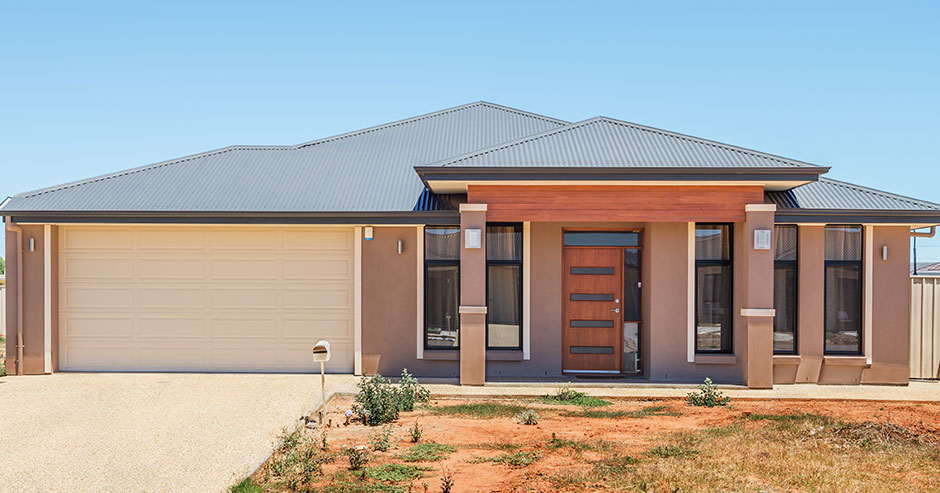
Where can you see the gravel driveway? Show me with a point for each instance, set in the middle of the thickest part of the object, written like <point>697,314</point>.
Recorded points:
<point>145,432</point>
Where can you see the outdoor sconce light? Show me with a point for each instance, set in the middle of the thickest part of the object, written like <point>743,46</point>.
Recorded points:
<point>474,238</point>
<point>368,233</point>
<point>884,252</point>
<point>32,244</point>
<point>762,239</point>
<point>401,246</point>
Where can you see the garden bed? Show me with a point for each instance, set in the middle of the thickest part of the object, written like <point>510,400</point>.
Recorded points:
<point>649,444</point>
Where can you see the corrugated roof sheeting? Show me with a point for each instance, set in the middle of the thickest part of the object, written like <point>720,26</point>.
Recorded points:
<point>604,142</point>
<point>833,194</point>
<point>368,170</point>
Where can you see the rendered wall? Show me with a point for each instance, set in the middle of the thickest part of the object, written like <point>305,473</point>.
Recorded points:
<point>33,306</point>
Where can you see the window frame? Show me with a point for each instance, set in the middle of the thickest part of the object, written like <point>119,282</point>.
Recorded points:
<point>444,262</point>
<point>730,294</point>
<point>860,264</point>
<point>795,292</point>
<point>519,263</point>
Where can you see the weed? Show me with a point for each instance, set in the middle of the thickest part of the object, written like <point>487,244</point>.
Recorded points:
<point>640,413</point>
<point>518,459</point>
<point>671,450</point>
<point>395,473</point>
<point>527,417</point>
<point>410,392</point>
<point>578,445</point>
<point>613,466</point>
<point>427,452</point>
<point>382,441</point>
<point>707,395</point>
<point>480,410</point>
<point>416,432</point>
<point>358,457</point>
<point>245,486</point>
<point>566,396</point>
<point>379,401</point>
<point>447,481</point>
<point>324,445</point>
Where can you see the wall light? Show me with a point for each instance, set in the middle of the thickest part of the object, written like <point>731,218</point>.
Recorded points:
<point>32,244</point>
<point>368,233</point>
<point>474,238</point>
<point>762,239</point>
<point>884,252</point>
<point>401,246</point>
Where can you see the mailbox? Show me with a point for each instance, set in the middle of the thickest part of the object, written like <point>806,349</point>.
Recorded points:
<point>321,352</point>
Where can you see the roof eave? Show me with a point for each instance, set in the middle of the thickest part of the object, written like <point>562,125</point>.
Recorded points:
<point>236,217</point>
<point>882,216</point>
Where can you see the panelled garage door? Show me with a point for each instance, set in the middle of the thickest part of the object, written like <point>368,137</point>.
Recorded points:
<point>184,298</point>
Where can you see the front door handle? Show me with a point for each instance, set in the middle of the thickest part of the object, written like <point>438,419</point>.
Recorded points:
<point>615,310</point>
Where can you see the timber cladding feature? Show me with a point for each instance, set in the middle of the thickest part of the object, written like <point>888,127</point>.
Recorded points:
<point>723,203</point>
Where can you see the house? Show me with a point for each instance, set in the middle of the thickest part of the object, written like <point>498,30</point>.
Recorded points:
<point>475,242</point>
<point>926,269</point>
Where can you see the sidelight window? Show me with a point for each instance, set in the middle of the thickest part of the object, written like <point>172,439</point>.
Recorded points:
<point>843,290</point>
<point>785,288</point>
<point>504,286</point>
<point>713,288</point>
<point>442,287</point>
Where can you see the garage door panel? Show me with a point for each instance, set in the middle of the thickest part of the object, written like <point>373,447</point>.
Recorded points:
<point>96,296</point>
<point>315,328</point>
<point>171,239</point>
<point>204,298</point>
<point>170,297</point>
<point>180,327</point>
<point>98,268</point>
<point>76,326</point>
<point>245,328</point>
<point>171,268</point>
<point>333,297</point>
<point>318,268</point>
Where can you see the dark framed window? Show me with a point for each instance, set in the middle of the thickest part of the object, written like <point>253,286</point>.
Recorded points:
<point>503,286</point>
<point>713,288</point>
<point>843,290</point>
<point>786,239</point>
<point>441,287</point>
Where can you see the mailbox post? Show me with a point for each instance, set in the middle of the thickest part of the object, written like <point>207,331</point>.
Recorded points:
<point>321,354</point>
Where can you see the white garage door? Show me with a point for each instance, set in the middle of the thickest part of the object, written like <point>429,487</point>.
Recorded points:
<point>204,298</point>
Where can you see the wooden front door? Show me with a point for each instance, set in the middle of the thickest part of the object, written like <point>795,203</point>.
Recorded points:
<point>593,288</point>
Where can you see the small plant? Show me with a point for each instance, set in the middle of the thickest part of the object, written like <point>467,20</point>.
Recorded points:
<point>447,481</point>
<point>566,396</point>
<point>395,473</point>
<point>518,459</point>
<point>324,445</point>
<point>410,392</point>
<point>358,457</point>
<point>707,395</point>
<point>382,440</point>
<point>416,432</point>
<point>527,417</point>
<point>667,451</point>
<point>245,486</point>
<point>427,452</point>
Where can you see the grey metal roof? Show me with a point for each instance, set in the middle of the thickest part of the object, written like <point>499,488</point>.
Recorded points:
<point>833,194</point>
<point>366,170</point>
<point>605,142</point>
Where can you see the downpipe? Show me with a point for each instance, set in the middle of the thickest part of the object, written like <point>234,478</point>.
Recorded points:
<point>926,234</point>
<point>15,228</point>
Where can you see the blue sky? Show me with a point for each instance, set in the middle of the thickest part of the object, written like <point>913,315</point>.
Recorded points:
<point>92,87</point>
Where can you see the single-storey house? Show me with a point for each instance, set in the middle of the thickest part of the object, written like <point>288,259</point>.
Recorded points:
<point>475,242</point>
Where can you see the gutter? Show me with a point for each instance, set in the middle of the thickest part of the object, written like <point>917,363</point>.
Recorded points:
<point>857,215</point>
<point>928,234</point>
<point>11,228</point>
<point>237,217</point>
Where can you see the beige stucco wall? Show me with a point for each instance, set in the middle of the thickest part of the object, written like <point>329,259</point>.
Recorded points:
<point>33,301</point>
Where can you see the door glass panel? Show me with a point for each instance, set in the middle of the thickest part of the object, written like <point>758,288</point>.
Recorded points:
<point>602,238</point>
<point>592,323</point>
<point>591,297</point>
<point>591,350</point>
<point>605,271</point>
<point>631,347</point>
<point>631,285</point>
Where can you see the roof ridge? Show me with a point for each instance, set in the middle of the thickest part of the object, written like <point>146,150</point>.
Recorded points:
<point>882,193</point>
<point>614,121</point>
<point>180,160</point>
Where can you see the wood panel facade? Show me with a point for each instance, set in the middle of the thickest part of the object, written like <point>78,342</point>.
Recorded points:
<point>720,203</point>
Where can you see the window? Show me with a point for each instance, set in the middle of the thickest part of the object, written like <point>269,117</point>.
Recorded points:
<point>785,289</point>
<point>442,287</point>
<point>504,286</point>
<point>713,324</point>
<point>843,291</point>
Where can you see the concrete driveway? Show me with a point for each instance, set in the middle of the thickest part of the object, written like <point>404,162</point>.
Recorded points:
<point>145,432</point>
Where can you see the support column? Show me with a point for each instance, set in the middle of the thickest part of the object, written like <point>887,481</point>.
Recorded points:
<point>758,303</point>
<point>472,294</point>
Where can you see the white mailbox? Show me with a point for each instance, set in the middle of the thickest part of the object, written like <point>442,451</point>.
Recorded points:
<point>321,352</point>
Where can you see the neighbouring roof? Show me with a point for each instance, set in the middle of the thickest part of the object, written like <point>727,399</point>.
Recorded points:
<point>366,170</point>
<point>832,194</point>
<point>605,142</point>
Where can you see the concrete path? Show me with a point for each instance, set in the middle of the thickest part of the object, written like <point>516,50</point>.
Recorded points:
<point>146,432</point>
<point>917,391</point>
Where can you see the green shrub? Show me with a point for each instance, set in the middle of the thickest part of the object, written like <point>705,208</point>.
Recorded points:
<point>527,417</point>
<point>428,452</point>
<point>707,395</point>
<point>382,440</point>
<point>565,395</point>
<point>358,457</point>
<point>379,401</point>
<point>416,432</point>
